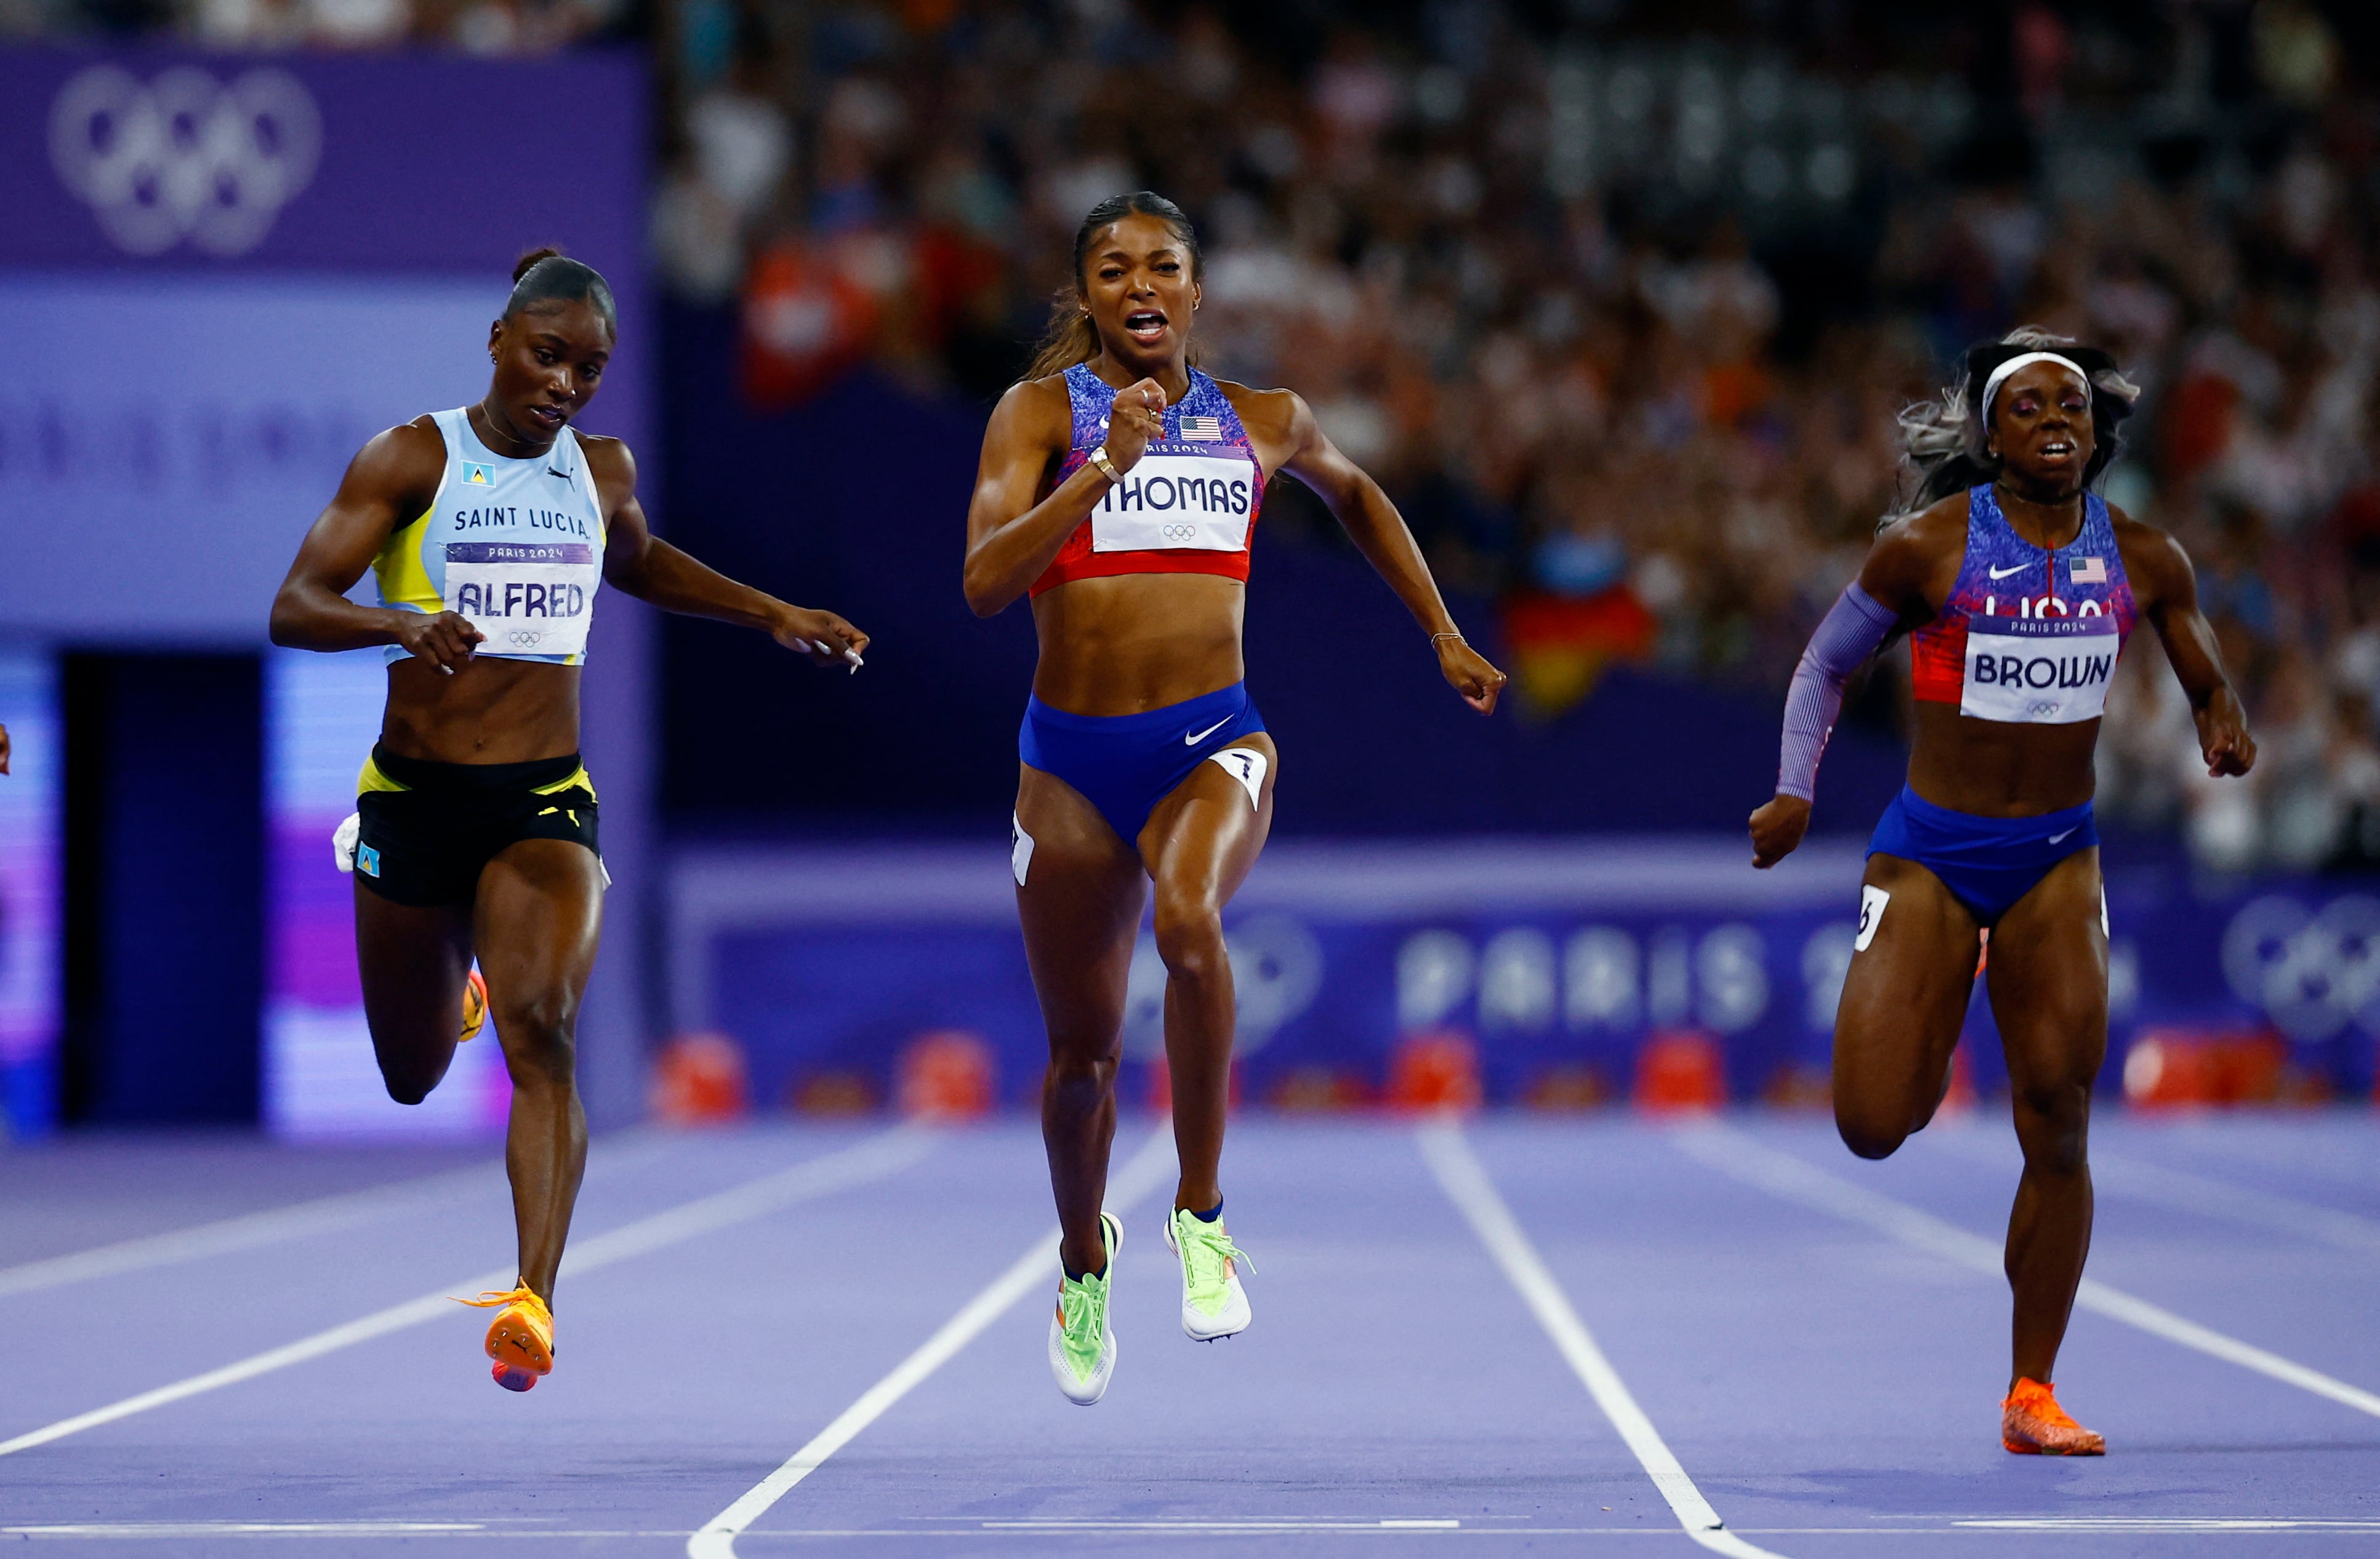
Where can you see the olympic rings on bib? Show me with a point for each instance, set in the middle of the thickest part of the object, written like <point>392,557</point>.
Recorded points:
<point>184,157</point>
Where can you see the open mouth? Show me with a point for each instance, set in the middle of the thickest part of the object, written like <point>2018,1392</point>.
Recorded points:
<point>549,416</point>
<point>1145,325</point>
<point>2056,449</point>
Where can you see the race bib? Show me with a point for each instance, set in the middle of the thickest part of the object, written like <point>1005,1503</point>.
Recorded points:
<point>2038,671</point>
<point>1199,500</point>
<point>528,598</point>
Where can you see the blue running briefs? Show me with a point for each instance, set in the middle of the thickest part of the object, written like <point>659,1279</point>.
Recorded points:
<point>1125,765</point>
<point>1986,863</point>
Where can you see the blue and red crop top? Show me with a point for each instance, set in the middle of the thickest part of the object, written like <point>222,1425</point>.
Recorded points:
<point>2029,635</point>
<point>1188,505</point>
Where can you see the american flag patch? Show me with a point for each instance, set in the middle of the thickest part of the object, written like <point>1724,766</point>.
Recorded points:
<point>1202,429</point>
<point>2090,570</point>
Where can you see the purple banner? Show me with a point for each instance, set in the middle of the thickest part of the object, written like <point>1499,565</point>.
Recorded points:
<point>1560,977</point>
<point>356,164</point>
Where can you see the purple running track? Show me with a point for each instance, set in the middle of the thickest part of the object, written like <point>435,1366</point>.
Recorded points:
<point>1831,1389</point>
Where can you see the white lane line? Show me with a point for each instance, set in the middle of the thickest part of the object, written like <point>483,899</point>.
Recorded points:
<point>271,1226</point>
<point>1465,1182</point>
<point>873,1158</point>
<point>246,1529</point>
<point>2165,1524</point>
<point>1782,1174</point>
<point>2182,1191</point>
<point>717,1539</point>
<point>1058,1525</point>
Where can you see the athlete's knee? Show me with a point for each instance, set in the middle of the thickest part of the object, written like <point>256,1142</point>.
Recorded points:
<point>540,1038</point>
<point>1868,1131</point>
<point>404,1087</point>
<point>1086,1071</point>
<point>2053,1125</point>
<point>1190,935</point>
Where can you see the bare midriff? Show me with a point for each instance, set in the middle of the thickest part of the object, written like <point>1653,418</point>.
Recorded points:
<point>1136,642</point>
<point>490,711</point>
<point>1995,768</point>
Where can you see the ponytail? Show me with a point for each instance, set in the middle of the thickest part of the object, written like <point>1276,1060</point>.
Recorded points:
<point>1070,339</point>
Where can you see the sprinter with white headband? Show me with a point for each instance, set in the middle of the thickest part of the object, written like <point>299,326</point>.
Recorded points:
<point>2018,586</point>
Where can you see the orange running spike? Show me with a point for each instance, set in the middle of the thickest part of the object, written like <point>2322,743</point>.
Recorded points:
<point>2033,1424</point>
<point>520,1339</point>
<point>475,1005</point>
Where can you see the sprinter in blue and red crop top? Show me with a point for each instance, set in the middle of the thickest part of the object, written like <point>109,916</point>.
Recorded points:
<point>1120,488</point>
<point>2018,586</point>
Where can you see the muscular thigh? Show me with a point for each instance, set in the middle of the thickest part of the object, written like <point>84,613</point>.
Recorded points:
<point>1203,838</point>
<point>1078,899</point>
<point>1906,993</point>
<point>2048,978</point>
<point>538,919</point>
<point>411,960</point>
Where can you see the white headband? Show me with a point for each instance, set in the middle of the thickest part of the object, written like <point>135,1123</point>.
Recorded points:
<point>1999,375</point>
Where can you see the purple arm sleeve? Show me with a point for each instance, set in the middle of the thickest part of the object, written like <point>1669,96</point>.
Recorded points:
<point>1851,633</point>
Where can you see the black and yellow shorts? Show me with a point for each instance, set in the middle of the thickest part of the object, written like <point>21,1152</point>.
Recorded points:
<point>427,828</point>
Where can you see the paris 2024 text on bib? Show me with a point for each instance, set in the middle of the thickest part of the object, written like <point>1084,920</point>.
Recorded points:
<point>528,598</point>
<point>2039,670</point>
<point>1168,498</point>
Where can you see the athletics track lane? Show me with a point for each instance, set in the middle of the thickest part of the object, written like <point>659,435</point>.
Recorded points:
<point>1830,1389</point>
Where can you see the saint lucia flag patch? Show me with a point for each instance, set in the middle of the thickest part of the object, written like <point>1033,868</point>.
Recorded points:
<point>479,475</point>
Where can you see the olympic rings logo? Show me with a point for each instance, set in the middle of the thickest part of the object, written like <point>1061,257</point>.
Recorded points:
<point>524,637</point>
<point>1178,532</point>
<point>2312,973</point>
<point>184,157</point>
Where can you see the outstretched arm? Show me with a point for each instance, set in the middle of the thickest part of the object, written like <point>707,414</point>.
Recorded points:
<point>640,563</point>
<point>1379,533</point>
<point>2161,574</point>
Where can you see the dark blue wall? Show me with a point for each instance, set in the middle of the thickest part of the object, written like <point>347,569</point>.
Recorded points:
<point>165,901</point>
<point>858,502</point>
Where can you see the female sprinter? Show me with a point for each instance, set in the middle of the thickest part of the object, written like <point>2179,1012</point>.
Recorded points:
<point>2018,586</point>
<point>490,528</point>
<point>1118,488</point>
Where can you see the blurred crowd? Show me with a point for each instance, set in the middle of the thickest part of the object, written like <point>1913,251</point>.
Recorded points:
<point>479,26</point>
<point>1621,314</point>
<point>1622,320</point>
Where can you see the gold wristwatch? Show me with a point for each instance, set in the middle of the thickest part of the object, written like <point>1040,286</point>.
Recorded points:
<point>1099,458</point>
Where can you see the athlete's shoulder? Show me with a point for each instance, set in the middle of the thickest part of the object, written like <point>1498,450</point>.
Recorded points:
<point>610,459</point>
<point>1032,408</point>
<point>1273,412</point>
<point>1930,529</point>
<point>2150,551</point>
<point>405,460</point>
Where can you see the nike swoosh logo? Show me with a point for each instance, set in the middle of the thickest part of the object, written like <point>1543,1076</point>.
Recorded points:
<point>1195,737</point>
<point>2004,573</point>
<point>2055,838</point>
